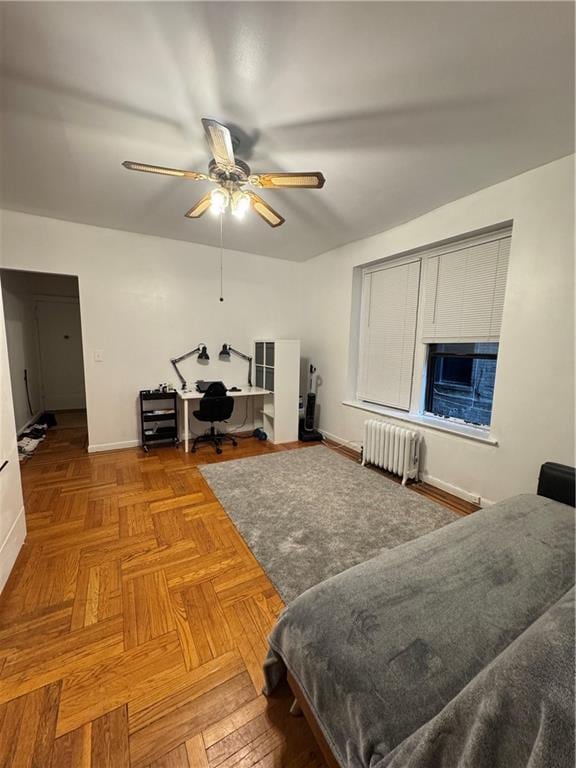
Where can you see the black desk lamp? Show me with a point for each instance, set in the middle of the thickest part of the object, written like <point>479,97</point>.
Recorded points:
<point>224,354</point>
<point>201,348</point>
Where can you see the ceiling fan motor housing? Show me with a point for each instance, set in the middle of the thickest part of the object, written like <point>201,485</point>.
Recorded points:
<point>240,173</point>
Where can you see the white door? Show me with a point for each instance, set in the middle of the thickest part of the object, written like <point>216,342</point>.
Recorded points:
<point>62,364</point>
<point>12,522</point>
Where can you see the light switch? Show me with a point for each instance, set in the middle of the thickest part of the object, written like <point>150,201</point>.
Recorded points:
<point>99,356</point>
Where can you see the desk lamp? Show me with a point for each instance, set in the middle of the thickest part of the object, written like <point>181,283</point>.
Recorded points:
<point>224,354</point>
<point>203,355</point>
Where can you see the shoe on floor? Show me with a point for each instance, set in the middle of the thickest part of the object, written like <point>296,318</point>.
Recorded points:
<point>35,434</point>
<point>27,445</point>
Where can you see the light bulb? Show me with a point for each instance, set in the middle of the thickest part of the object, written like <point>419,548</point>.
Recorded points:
<point>240,204</point>
<point>218,201</point>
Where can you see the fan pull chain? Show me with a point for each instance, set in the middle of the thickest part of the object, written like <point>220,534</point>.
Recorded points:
<point>221,259</point>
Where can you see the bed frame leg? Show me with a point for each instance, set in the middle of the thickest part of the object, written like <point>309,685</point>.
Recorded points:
<point>296,709</point>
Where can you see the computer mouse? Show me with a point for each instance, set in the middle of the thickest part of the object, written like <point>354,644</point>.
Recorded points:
<point>234,389</point>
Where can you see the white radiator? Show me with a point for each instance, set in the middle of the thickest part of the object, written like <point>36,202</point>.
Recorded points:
<point>392,448</point>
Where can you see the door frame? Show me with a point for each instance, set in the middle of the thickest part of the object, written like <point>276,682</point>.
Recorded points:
<point>31,271</point>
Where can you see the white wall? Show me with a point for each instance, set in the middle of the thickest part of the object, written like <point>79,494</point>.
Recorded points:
<point>43,284</point>
<point>533,416</point>
<point>144,300</point>
<point>12,520</point>
<point>22,341</point>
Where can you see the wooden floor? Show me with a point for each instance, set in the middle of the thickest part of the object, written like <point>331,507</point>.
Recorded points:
<point>134,625</point>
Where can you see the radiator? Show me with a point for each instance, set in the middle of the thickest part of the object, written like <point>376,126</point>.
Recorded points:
<point>392,448</point>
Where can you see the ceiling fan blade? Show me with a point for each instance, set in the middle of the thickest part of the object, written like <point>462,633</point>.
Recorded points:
<point>200,208</point>
<point>265,211</point>
<point>131,166</point>
<point>220,142</point>
<point>312,180</point>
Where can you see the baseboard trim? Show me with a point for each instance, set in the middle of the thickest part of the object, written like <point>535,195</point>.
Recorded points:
<point>455,490</point>
<point>29,423</point>
<point>425,476</point>
<point>99,447</point>
<point>11,547</point>
<point>353,446</point>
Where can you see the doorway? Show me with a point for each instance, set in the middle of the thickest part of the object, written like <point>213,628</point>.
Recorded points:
<point>44,340</point>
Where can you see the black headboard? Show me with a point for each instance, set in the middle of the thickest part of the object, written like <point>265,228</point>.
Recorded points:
<point>557,482</point>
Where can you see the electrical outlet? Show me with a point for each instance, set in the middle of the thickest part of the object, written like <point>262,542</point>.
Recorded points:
<point>99,356</point>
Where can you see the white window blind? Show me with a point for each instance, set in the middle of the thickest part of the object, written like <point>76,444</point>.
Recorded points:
<point>464,293</point>
<point>388,334</point>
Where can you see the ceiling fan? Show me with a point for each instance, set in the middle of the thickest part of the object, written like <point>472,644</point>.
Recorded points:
<point>232,175</point>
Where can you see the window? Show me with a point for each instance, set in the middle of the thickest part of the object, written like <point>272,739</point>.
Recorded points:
<point>456,370</point>
<point>460,381</point>
<point>388,335</point>
<point>430,327</point>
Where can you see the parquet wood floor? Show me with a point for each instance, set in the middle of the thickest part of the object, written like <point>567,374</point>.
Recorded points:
<point>133,627</point>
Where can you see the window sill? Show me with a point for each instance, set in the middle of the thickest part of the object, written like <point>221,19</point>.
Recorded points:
<point>431,422</point>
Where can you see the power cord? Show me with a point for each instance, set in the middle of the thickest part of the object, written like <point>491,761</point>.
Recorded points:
<point>241,437</point>
<point>229,432</point>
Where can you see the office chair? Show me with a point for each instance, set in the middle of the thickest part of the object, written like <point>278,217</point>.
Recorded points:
<point>216,405</point>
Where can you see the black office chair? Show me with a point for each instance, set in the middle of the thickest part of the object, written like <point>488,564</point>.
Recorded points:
<point>215,406</point>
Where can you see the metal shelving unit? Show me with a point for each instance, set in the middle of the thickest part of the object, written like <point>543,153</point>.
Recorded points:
<point>158,418</point>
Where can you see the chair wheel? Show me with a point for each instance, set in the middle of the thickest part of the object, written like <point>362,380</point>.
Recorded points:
<point>234,443</point>
<point>192,450</point>
<point>218,450</point>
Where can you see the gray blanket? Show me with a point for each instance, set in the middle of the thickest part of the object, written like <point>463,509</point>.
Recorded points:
<point>447,650</point>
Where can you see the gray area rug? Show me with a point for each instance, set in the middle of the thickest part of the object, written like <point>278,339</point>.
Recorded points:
<point>310,513</point>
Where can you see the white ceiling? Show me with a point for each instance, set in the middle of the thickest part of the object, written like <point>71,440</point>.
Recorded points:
<point>403,106</point>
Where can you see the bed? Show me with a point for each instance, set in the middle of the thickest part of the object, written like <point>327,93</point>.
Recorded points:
<point>455,649</point>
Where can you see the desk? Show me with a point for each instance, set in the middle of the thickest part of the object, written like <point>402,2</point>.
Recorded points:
<point>194,395</point>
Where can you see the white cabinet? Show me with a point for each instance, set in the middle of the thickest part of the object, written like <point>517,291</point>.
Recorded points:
<point>277,368</point>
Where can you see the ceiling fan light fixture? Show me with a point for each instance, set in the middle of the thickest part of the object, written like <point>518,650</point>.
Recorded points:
<point>240,204</point>
<point>219,199</point>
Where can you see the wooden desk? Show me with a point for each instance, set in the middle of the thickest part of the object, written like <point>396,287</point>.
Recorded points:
<point>188,395</point>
